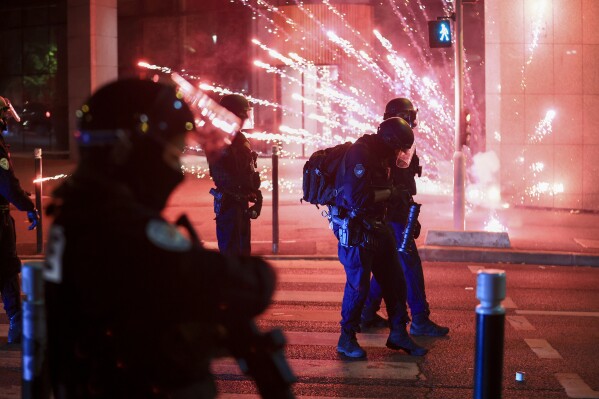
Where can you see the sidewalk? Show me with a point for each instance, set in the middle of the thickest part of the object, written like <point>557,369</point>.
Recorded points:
<point>537,236</point>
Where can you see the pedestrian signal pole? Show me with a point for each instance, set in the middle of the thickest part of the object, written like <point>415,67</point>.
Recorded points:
<point>459,166</point>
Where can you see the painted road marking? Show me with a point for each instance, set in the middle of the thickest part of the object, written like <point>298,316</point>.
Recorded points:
<point>301,315</point>
<point>308,296</point>
<point>250,396</point>
<point>520,323</point>
<point>308,264</point>
<point>340,369</point>
<point>214,244</point>
<point>587,243</point>
<point>575,387</point>
<point>557,313</point>
<point>508,303</point>
<point>331,339</point>
<point>311,278</point>
<point>542,348</point>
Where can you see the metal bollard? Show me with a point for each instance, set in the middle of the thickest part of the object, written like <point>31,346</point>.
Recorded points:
<point>37,155</point>
<point>275,199</point>
<point>34,384</point>
<point>490,322</point>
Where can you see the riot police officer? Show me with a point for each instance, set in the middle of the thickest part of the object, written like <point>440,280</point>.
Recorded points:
<point>237,184</point>
<point>366,242</point>
<point>10,264</point>
<point>403,178</point>
<point>136,307</point>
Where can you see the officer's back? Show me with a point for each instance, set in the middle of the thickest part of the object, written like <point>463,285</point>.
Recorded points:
<point>135,308</point>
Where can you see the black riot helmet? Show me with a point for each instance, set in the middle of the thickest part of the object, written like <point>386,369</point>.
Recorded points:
<point>132,110</point>
<point>134,131</point>
<point>237,104</point>
<point>403,108</point>
<point>398,135</point>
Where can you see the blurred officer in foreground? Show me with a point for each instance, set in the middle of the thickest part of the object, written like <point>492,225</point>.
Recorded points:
<point>366,242</point>
<point>237,184</point>
<point>10,264</point>
<point>136,308</point>
<point>403,178</point>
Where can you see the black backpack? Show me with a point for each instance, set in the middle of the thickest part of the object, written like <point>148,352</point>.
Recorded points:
<point>320,171</point>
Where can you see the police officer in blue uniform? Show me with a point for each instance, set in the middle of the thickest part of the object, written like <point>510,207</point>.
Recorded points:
<point>366,241</point>
<point>10,264</point>
<point>136,308</point>
<point>237,184</point>
<point>403,178</point>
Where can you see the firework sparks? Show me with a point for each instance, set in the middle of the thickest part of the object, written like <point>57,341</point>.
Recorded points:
<point>544,128</point>
<point>494,225</point>
<point>57,177</point>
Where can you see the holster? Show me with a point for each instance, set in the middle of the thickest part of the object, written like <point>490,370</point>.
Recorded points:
<point>218,200</point>
<point>350,232</point>
<point>372,228</point>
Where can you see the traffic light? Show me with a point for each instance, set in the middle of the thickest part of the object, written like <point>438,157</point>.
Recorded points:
<point>439,33</point>
<point>466,128</point>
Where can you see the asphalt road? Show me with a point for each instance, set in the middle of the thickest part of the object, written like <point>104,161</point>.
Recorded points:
<point>551,333</point>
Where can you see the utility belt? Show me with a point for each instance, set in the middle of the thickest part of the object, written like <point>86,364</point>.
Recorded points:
<point>354,231</point>
<point>224,196</point>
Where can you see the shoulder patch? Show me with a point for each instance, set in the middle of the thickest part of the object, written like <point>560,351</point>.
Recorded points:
<point>359,170</point>
<point>166,236</point>
<point>4,164</point>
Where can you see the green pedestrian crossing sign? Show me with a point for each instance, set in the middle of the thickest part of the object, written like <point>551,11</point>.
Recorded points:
<point>439,33</point>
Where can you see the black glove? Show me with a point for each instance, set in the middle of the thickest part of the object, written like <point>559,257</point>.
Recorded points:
<point>417,228</point>
<point>34,218</point>
<point>400,197</point>
<point>254,210</point>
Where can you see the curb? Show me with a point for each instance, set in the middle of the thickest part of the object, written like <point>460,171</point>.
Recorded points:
<point>490,255</point>
<point>479,255</point>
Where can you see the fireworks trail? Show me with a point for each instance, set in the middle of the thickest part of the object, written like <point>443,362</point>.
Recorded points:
<point>537,27</point>
<point>346,106</point>
<point>57,177</point>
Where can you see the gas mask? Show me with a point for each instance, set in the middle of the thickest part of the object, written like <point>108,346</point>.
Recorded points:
<point>403,156</point>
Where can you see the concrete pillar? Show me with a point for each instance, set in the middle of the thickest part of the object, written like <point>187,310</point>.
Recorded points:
<point>92,51</point>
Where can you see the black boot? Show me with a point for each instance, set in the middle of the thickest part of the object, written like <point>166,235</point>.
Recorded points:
<point>15,328</point>
<point>349,346</point>
<point>400,340</point>
<point>375,321</point>
<point>422,325</point>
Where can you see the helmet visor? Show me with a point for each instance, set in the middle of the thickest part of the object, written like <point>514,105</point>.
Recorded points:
<point>404,156</point>
<point>215,125</point>
<point>248,123</point>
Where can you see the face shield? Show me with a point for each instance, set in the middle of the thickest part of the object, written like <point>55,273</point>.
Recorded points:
<point>7,110</point>
<point>248,124</point>
<point>403,156</point>
<point>215,125</point>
